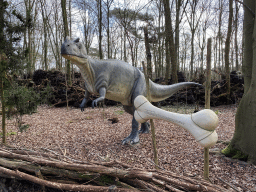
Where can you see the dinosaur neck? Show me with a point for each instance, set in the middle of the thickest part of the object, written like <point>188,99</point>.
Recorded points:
<point>87,73</point>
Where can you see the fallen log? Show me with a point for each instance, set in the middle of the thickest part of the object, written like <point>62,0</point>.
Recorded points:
<point>70,187</point>
<point>28,166</point>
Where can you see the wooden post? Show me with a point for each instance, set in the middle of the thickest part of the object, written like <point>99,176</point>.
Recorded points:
<point>207,103</point>
<point>152,125</point>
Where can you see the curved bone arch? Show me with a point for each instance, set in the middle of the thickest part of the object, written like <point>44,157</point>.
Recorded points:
<point>201,124</point>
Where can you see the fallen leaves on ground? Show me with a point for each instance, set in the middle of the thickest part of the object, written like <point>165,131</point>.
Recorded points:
<point>89,136</point>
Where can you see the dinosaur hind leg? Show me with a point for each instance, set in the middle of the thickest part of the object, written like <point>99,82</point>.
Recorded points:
<point>134,135</point>
<point>144,127</point>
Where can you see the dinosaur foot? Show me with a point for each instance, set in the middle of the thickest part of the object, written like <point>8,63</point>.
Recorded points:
<point>144,127</point>
<point>131,139</point>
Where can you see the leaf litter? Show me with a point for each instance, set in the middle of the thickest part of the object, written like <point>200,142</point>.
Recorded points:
<point>89,136</point>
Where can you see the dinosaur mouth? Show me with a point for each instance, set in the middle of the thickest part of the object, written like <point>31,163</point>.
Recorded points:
<point>74,58</point>
<point>68,56</point>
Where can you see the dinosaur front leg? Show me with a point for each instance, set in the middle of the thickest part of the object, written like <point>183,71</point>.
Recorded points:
<point>134,135</point>
<point>86,96</point>
<point>102,93</point>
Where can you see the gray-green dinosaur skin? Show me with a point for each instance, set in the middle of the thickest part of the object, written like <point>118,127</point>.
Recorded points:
<point>116,80</point>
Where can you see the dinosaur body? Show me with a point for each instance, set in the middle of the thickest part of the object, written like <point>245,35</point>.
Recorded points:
<point>116,80</point>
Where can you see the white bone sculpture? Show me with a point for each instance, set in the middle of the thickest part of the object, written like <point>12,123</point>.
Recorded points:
<point>201,124</point>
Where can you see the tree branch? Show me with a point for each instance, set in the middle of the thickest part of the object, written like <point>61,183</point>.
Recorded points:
<point>98,175</point>
<point>253,14</point>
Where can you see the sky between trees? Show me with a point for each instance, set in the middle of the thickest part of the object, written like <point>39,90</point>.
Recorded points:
<point>122,30</point>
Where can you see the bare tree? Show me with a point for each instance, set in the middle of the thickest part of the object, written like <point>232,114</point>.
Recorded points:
<point>29,5</point>
<point>66,33</point>
<point>201,32</point>
<point>227,49</point>
<point>99,7</point>
<point>170,45</point>
<point>45,34</point>
<point>236,25</point>
<point>193,16</point>
<point>108,4</point>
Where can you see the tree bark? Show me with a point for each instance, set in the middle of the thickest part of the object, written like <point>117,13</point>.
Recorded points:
<point>29,45</point>
<point>66,33</point>
<point>100,27</point>
<point>108,30</point>
<point>2,9</point>
<point>148,54</point>
<point>227,50</point>
<point>69,187</point>
<point>219,31</point>
<point>3,107</point>
<point>170,45</point>
<point>2,72</point>
<point>236,35</point>
<point>177,30</point>
<point>243,144</point>
<point>45,44</point>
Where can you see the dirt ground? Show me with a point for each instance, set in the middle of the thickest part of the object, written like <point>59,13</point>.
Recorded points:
<point>90,136</point>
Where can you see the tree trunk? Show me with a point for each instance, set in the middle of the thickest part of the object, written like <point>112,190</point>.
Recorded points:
<point>227,50</point>
<point>100,28</point>
<point>45,44</point>
<point>243,142</point>
<point>236,35</point>
<point>66,33</point>
<point>109,2</point>
<point>2,45</point>
<point>148,54</point>
<point>125,56</point>
<point>28,18</point>
<point>160,50</point>
<point>219,31</point>
<point>1,72</point>
<point>177,31</point>
<point>3,108</point>
<point>192,55</point>
<point>108,34</point>
<point>170,46</point>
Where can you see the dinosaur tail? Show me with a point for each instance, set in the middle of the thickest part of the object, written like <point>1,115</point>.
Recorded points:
<point>162,92</point>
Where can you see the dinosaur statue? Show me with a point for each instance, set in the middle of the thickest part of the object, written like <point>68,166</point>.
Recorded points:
<point>116,80</point>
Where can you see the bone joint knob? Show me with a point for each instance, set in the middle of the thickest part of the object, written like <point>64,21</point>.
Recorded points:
<point>201,124</point>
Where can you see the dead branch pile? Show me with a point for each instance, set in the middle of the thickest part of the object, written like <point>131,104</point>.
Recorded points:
<point>196,94</point>
<point>60,92</point>
<point>61,172</point>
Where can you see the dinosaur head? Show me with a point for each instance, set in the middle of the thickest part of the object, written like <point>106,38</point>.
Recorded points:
<point>74,51</point>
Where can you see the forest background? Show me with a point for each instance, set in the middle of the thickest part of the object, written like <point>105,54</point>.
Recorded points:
<point>112,29</point>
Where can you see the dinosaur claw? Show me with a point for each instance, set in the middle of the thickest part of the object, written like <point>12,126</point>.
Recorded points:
<point>129,140</point>
<point>94,104</point>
